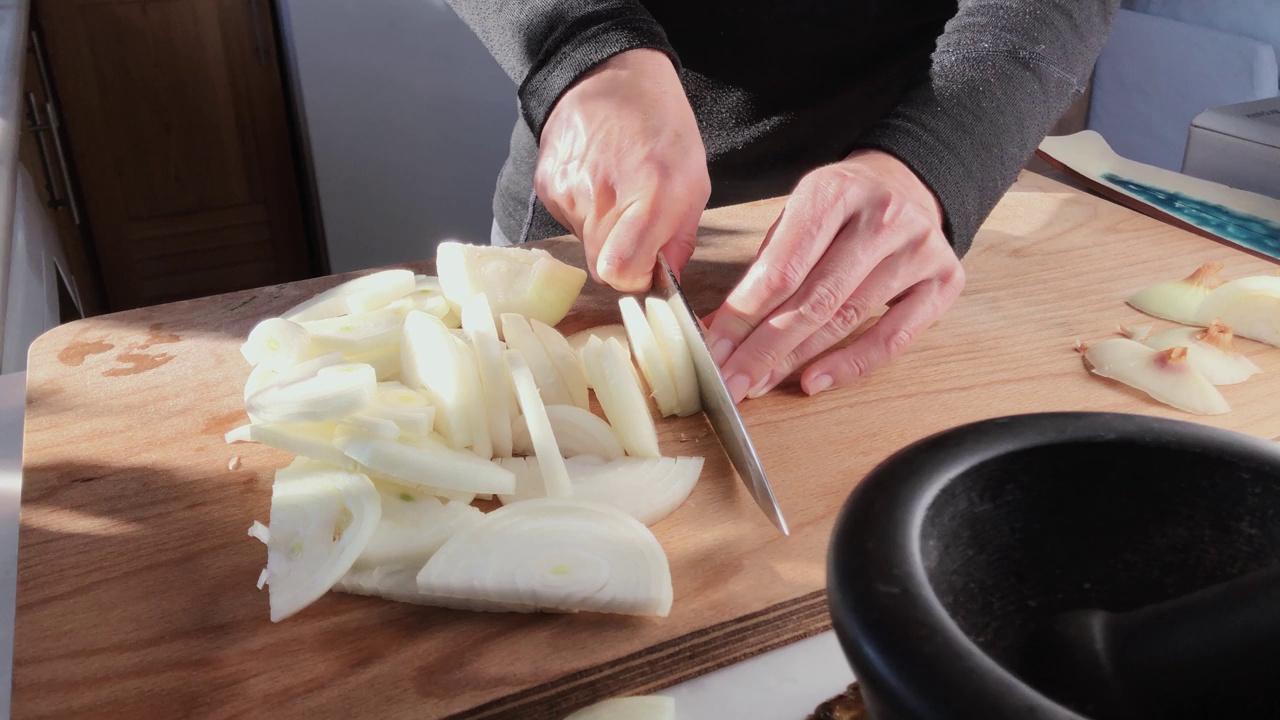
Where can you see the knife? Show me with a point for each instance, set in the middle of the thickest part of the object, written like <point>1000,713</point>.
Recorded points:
<point>716,400</point>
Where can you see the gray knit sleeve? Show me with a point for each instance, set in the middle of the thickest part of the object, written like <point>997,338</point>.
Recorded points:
<point>1002,74</point>
<point>545,45</point>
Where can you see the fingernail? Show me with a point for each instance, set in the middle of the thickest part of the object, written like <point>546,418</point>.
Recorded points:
<point>761,388</point>
<point>737,385</point>
<point>721,351</point>
<point>818,384</point>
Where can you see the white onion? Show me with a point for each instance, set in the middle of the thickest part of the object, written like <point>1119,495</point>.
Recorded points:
<point>577,432</point>
<point>1210,351</point>
<point>412,527</point>
<point>310,441</point>
<point>319,524</point>
<point>394,582</point>
<point>276,343</point>
<point>675,350</point>
<point>1166,376</point>
<point>1251,306</point>
<point>519,336</point>
<point>578,340</point>
<point>526,281</point>
<point>333,393</point>
<point>648,356</point>
<point>426,464</point>
<point>565,361</point>
<point>368,292</point>
<point>543,437</point>
<point>620,396</point>
<point>552,554</point>
<point>433,360</point>
<point>1179,301</point>
<point>365,334</point>
<point>495,382</point>
<point>647,489</point>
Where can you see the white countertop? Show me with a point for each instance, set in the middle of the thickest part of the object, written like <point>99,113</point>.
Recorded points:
<point>785,684</point>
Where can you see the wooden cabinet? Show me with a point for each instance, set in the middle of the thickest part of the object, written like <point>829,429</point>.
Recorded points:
<point>178,129</point>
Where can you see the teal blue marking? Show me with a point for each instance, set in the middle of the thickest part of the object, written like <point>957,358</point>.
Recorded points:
<point>1247,230</point>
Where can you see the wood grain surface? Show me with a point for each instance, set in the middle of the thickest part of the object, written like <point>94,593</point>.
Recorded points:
<point>136,589</point>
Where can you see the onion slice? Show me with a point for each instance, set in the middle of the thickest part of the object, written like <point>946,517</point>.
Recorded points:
<point>565,361</point>
<point>307,441</point>
<point>365,334</point>
<point>577,432</point>
<point>368,292</point>
<point>675,350</point>
<point>320,522</point>
<point>276,343</point>
<point>495,382</point>
<point>425,465</point>
<point>519,336</point>
<point>639,707</point>
<point>433,360</point>
<point>648,356</point>
<point>1251,306</point>
<point>552,554</point>
<point>618,390</point>
<point>647,489</point>
<point>397,583</point>
<point>1211,351</point>
<point>413,525</point>
<point>578,340</point>
<point>543,437</point>
<point>1166,376</point>
<point>1179,301</point>
<point>333,393</point>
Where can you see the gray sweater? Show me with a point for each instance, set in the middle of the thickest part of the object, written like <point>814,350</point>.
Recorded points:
<point>960,92</point>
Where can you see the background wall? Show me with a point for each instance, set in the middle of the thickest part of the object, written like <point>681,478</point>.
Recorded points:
<point>409,119</point>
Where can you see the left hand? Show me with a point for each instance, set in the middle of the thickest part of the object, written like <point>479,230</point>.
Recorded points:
<point>854,236</point>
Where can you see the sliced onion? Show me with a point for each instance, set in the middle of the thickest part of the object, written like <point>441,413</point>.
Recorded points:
<point>259,378</point>
<point>565,361</point>
<point>425,464</point>
<point>404,406</point>
<point>675,350</point>
<point>1251,306</point>
<point>370,292</point>
<point>1179,301</point>
<point>519,336</point>
<point>647,489</point>
<point>649,356</point>
<point>544,440</point>
<point>333,393</point>
<point>320,522</point>
<point>552,554</point>
<point>526,281</point>
<point>364,334</point>
<point>394,583</point>
<point>276,343</point>
<point>1166,376</point>
<point>304,370</point>
<point>481,439</point>
<point>311,441</point>
<point>1211,351</point>
<point>385,361</point>
<point>577,432</point>
<point>495,381</point>
<point>620,396</point>
<point>412,527</point>
<point>374,425</point>
<point>640,707</point>
<point>432,360</point>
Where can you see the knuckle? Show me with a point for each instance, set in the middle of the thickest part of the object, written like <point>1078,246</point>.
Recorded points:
<point>857,366</point>
<point>759,360</point>
<point>780,279</point>
<point>898,341</point>
<point>851,314</point>
<point>820,305</point>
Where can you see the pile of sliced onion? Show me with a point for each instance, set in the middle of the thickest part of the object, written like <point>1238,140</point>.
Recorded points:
<point>1251,306</point>
<point>404,398</point>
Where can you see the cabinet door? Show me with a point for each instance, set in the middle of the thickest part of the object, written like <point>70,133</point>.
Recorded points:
<point>177,123</point>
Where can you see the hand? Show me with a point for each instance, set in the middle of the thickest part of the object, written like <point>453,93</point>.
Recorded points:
<point>622,166</point>
<point>853,237</point>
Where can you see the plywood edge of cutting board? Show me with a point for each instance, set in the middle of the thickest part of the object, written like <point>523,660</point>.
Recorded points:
<point>1051,265</point>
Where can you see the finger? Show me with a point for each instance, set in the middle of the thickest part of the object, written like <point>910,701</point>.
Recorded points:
<point>805,230</point>
<point>680,248</point>
<point>888,282</point>
<point>836,285</point>
<point>888,338</point>
<point>630,251</point>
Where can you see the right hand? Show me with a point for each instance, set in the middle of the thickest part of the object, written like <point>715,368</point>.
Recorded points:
<point>622,166</point>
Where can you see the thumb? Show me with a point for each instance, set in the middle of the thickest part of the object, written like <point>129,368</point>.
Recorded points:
<point>680,247</point>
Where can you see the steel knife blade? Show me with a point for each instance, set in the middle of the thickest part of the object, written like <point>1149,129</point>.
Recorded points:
<point>717,403</point>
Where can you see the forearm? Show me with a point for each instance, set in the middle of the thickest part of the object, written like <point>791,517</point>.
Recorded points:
<point>1002,74</point>
<point>545,45</point>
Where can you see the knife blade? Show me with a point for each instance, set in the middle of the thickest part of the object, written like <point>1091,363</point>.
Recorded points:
<point>717,403</point>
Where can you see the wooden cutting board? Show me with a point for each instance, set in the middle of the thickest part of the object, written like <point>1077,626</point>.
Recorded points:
<point>136,578</point>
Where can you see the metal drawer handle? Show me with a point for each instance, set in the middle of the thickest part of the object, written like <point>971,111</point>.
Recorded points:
<point>52,126</point>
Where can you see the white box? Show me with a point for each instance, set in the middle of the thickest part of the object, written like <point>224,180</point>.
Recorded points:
<point>1237,145</point>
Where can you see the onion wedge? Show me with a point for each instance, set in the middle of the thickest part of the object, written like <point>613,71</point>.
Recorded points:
<point>427,464</point>
<point>404,406</point>
<point>1179,301</point>
<point>1251,306</point>
<point>520,337</point>
<point>565,361</point>
<point>396,583</point>
<point>649,356</point>
<point>412,527</point>
<point>577,432</point>
<point>1211,351</point>
<point>307,441</point>
<point>526,281</point>
<point>362,294</point>
<point>552,554</point>
<point>433,360</point>
<point>556,478</point>
<point>276,344</point>
<point>1166,376</point>
<point>640,707</point>
<point>320,522</point>
<point>495,381</point>
<point>365,334</point>
<point>647,489</point>
<point>618,390</point>
<point>675,350</point>
<point>333,393</point>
